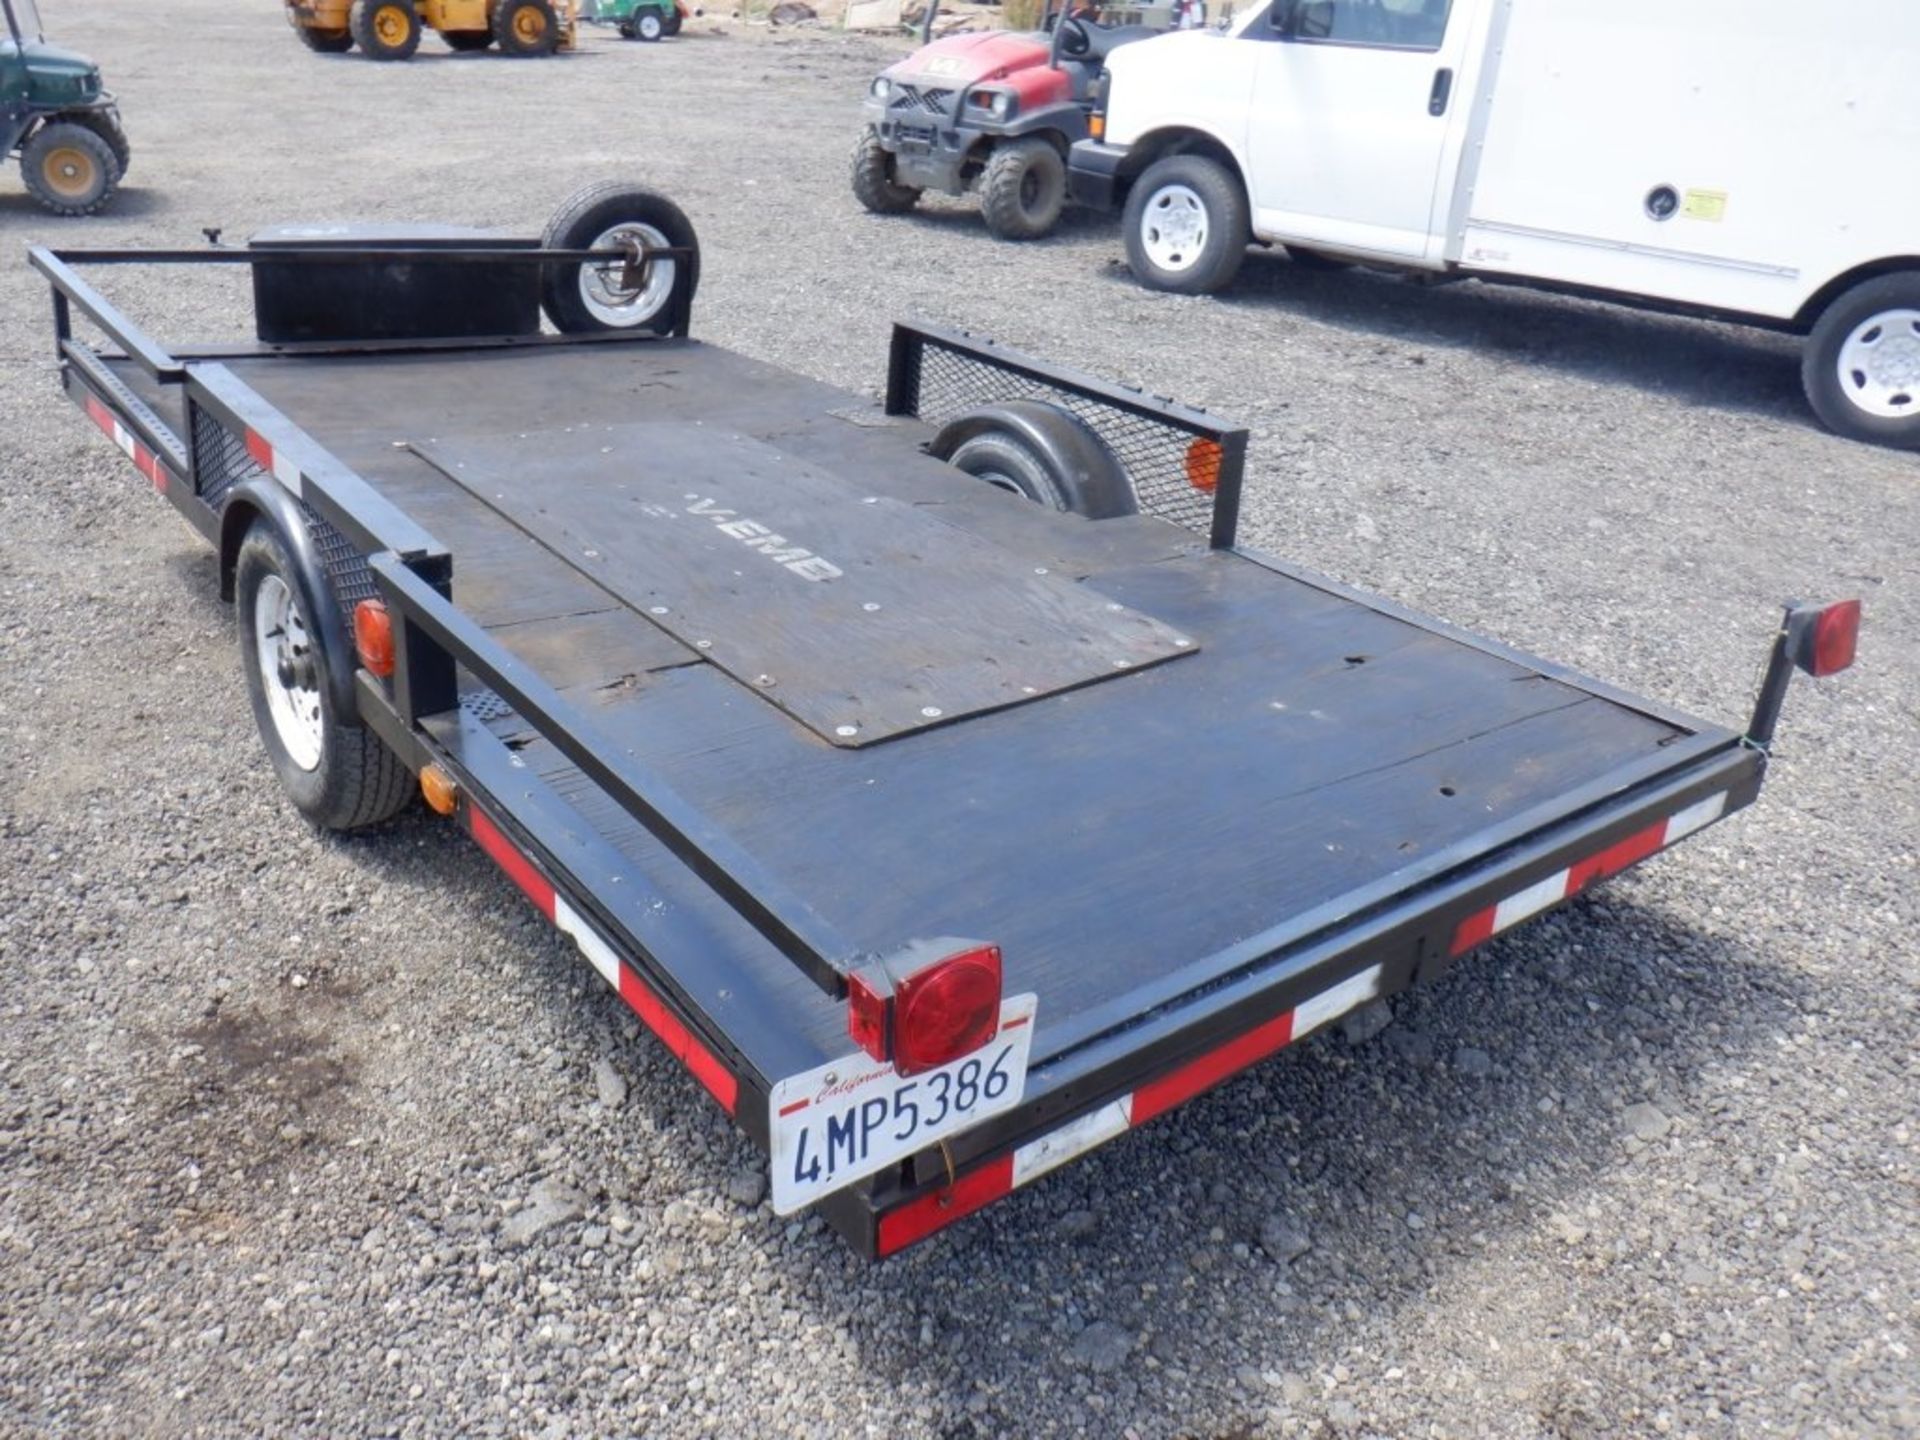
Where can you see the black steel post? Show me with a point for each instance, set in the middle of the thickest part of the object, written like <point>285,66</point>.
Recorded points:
<point>1773,689</point>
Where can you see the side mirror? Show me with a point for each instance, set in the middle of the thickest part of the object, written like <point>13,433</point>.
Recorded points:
<point>1280,16</point>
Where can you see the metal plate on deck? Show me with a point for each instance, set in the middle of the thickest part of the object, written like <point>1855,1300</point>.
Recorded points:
<point>860,616</point>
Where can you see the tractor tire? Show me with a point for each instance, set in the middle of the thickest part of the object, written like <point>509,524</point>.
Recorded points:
<point>526,29</point>
<point>671,23</point>
<point>648,26</point>
<point>68,168</point>
<point>584,298</point>
<point>1041,452</point>
<point>324,42</point>
<point>1186,225</point>
<point>1024,189</point>
<point>873,182</point>
<point>108,130</point>
<point>385,29</point>
<point>464,41</point>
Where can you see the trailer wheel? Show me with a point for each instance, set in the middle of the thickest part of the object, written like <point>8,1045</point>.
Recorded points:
<point>1024,189</point>
<point>325,42</point>
<point>466,41</point>
<point>1040,451</point>
<point>873,182</point>
<point>648,25</point>
<point>526,28</point>
<point>339,776</point>
<point>1861,365</point>
<point>385,29</point>
<point>1186,225</point>
<point>69,168</point>
<point>591,296</point>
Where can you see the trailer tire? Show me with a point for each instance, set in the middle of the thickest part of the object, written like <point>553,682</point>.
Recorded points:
<point>648,26</point>
<point>1039,451</point>
<point>325,42</point>
<point>585,298</point>
<point>1024,189</point>
<point>1861,364</point>
<point>873,183</point>
<point>1186,225</point>
<point>341,776</point>
<point>69,168</point>
<point>385,29</point>
<point>467,41</point>
<point>526,29</point>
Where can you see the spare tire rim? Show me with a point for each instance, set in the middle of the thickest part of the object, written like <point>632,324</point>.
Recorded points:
<point>289,670</point>
<point>1879,365</point>
<point>1173,227</point>
<point>612,303</point>
<point>69,172</point>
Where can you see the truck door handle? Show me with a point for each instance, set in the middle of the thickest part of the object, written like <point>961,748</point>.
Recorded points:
<point>1442,88</point>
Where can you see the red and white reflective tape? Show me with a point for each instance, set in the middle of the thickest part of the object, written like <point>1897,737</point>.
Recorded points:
<point>646,1002</point>
<point>1567,883</point>
<point>144,460</point>
<point>919,1218</point>
<point>272,461</point>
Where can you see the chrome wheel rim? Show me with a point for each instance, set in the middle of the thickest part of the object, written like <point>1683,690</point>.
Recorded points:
<point>289,671</point>
<point>1174,228</point>
<point>1879,365</point>
<point>600,287</point>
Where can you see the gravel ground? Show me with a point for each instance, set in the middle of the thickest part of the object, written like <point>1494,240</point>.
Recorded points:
<point>302,1135</point>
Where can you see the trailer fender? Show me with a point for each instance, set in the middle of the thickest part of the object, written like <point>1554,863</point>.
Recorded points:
<point>1041,451</point>
<point>267,501</point>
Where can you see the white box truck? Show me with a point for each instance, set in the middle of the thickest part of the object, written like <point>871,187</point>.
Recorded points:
<point>1745,159</point>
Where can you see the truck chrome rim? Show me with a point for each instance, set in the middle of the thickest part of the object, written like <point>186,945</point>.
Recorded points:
<point>600,286</point>
<point>289,672</point>
<point>1880,364</point>
<point>1173,227</point>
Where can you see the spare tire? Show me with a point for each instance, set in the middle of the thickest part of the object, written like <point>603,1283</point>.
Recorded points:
<point>1040,451</point>
<point>592,295</point>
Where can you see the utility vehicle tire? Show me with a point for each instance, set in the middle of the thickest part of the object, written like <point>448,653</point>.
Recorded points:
<point>873,182</point>
<point>526,28</point>
<point>1186,225</point>
<point>1024,189</point>
<point>1861,364</point>
<point>338,773</point>
<point>68,168</point>
<point>466,41</point>
<point>588,297</point>
<point>670,22</point>
<point>385,29</point>
<point>109,131</point>
<point>1039,451</point>
<point>648,25</point>
<point>1317,259</point>
<point>325,42</point>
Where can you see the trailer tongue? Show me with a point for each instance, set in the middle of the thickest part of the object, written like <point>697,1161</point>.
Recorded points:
<point>941,834</point>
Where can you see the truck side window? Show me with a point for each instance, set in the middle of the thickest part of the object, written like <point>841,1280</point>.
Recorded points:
<point>1399,24</point>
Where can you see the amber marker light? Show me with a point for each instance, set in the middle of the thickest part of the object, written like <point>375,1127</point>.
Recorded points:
<point>438,790</point>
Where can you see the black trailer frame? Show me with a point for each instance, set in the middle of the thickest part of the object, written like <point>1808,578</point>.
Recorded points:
<point>1111,1066</point>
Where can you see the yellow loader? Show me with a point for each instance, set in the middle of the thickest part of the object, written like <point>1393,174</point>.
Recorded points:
<point>391,29</point>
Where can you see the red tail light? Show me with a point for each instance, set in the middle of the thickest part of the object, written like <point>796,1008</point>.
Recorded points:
<point>373,637</point>
<point>1823,640</point>
<point>926,1005</point>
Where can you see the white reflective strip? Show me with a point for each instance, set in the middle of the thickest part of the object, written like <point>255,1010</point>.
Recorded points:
<point>286,472</point>
<point>588,939</point>
<point>1331,1004</point>
<point>1697,815</point>
<point>123,438</point>
<point>1530,901</point>
<point>1037,1157</point>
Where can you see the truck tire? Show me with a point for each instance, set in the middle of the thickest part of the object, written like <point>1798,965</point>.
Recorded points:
<point>340,775</point>
<point>1186,225</point>
<point>324,42</point>
<point>588,297</point>
<point>1861,364</point>
<point>873,182</point>
<point>385,29</point>
<point>68,168</point>
<point>1040,451</point>
<point>648,26</point>
<point>526,28</point>
<point>467,41</point>
<point>108,130</point>
<point>1024,189</point>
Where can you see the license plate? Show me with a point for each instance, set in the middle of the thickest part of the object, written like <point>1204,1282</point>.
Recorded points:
<point>854,1117</point>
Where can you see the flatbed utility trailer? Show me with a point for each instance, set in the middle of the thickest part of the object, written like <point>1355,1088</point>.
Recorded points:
<point>756,698</point>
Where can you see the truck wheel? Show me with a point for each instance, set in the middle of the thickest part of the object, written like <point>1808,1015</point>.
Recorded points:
<point>1186,225</point>
<point>325,42</point>
<point>108,130</point>
<point>68,168</point>
<point>873,182</point>
<point>591,296</point>
<point>1024,189</point>
<point>526,28</point>
<point>385,29</point>
<point>466,41</point>
<point>340,776</point>
<point>648,25</point>
<point>1861,365</point>
<point>1040,451</point>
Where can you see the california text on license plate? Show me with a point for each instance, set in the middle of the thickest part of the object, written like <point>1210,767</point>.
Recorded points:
<point>855,1116</point>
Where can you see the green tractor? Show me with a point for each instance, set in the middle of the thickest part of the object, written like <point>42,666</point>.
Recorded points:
<point>56,118</point>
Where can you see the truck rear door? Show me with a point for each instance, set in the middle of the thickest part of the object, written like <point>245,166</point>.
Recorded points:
<point>1358,112</point>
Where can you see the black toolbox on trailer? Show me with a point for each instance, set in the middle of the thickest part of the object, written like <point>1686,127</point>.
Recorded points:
<point>941,834</point>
